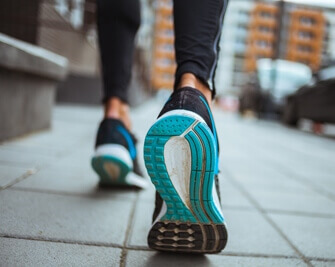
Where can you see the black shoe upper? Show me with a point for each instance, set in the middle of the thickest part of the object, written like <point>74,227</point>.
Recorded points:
<point>113,131</point>
<point>109,133</point>
<point>190,99</point>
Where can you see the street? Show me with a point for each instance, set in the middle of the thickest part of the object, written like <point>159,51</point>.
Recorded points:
<point>277,189</point>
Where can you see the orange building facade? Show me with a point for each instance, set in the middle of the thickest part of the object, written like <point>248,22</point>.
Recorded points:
<point>261,38</point>
<point>164,66</point>
<point>306,35</point>
<point>305,31</point>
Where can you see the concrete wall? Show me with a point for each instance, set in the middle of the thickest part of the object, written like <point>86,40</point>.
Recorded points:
<point>28,79</point>
<point>25,103</point>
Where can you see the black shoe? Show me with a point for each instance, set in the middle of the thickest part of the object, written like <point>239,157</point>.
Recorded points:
<point>115,159</point>
<point>181,157</point>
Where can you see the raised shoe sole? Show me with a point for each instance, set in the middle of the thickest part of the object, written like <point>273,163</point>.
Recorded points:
<point>112,163</point>
<point>180,156</point>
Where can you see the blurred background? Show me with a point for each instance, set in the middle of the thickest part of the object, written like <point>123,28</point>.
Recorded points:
<point>275,115</point>
<point>277,58</point>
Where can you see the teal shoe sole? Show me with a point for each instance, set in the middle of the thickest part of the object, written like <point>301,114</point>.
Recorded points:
<point>111,170</point>
<point>201,217</point>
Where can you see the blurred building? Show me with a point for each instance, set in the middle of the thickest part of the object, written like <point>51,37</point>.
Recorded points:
<point>58,26</point>
<point>250,32</point>
<point>306,37</point>
<point>67,27</point>
<point>262,35</point>
<point>230,73</point>
<point>330,36</point>
<point>301,37</point>
<point>163,63</point>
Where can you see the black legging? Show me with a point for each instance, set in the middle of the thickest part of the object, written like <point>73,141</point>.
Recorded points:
<point>197,33</point>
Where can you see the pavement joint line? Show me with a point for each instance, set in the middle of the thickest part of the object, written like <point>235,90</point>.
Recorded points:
<point>63,241</point>
<point>25,175</point>
<point>279,211</point>
<point>266,216</point>
<point>255,255</point>
<point>237,254</point>
<point>70,194</point>
<point>241,254</point>
<point>140,248</point>
<point>321,259</point>
<point>301,213</point>
<point>124,252</point>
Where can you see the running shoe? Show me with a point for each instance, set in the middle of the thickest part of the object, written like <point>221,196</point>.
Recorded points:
<point>181,157</point>
<point>115,158</point>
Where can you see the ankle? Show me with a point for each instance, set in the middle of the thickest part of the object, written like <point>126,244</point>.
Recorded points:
<point>116,109</point>
<point>112,108</point>
<point>190,80</point>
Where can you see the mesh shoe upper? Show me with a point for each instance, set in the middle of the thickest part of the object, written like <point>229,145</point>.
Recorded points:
<point>113,131</point>
<point>189,99</point>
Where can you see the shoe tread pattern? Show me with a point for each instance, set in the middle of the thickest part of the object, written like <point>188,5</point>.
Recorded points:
<point>154,144</point>
<point>210,235</point>
<point>187,237</point>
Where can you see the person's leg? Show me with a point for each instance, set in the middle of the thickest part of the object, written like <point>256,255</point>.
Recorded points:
<point>181,148</point>
<point>198,26</point>
<point>118,22</point>
<point>115,158</point>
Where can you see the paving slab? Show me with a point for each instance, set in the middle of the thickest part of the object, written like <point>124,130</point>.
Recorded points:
<point>71,173</point>
<point>323,263</point>
<point>61,202</point>
<point>274,190</point>
<point>313,203</point>
<point>141,224</point>
<point>18,252</point>
<point>70,177</point>
<point>9,174</point>
<point>95,218</point>
<point>148,194</point>
<point>313,236</point>
<point>318,178</point>
<point>231,197</point>
<point>148,258</point>
<point>77,113</point>
<point>249,232</point>
<point>12,157</point>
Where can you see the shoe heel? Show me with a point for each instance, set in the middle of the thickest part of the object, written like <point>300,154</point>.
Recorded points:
<point>111,171</point>
<point>187,237</point>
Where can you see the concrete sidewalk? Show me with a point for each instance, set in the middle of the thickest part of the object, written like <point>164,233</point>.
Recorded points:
<point>277,186</point>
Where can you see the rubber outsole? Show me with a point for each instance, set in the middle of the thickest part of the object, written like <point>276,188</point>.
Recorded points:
<point>201,212</point>
<point>111,170</point>
<point>187,237</point>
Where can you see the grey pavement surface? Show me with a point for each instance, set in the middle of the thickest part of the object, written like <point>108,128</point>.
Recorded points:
<point>277,187</point>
